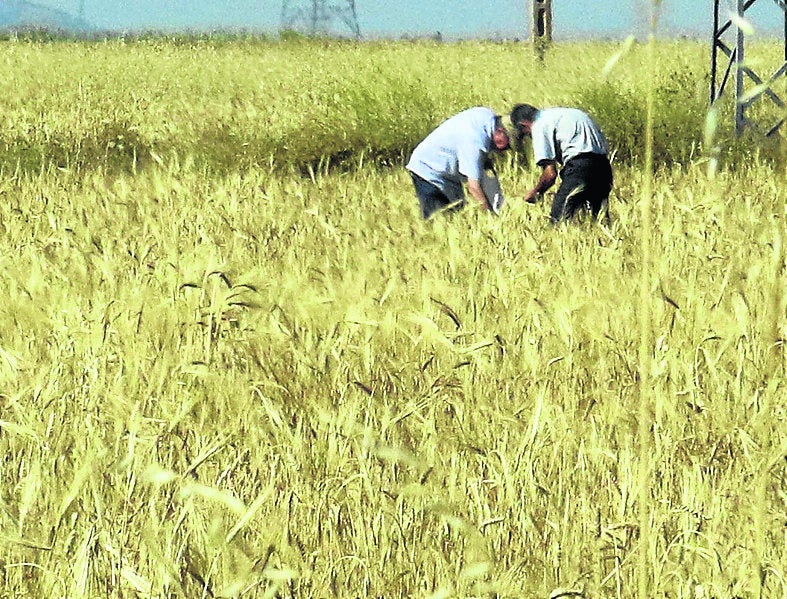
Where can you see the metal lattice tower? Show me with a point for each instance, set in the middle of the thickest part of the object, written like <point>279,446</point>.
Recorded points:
<point>736,54</point>
<point>317,16</point>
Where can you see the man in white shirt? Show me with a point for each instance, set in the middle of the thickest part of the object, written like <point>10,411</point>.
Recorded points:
<point>570,138</point>
<point>456,153</point>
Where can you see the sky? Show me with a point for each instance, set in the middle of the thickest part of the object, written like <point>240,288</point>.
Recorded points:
<point>395,18</point>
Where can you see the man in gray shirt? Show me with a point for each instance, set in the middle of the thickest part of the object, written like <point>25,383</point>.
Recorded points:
<point>455,153</point>
<point>570,138</point>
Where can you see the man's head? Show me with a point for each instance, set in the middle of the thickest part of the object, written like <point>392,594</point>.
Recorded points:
<point>500,139</point>
<point>522,118</point>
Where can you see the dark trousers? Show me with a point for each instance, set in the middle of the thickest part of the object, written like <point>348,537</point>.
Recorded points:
<point>585,183</point>
<point>431,198</point>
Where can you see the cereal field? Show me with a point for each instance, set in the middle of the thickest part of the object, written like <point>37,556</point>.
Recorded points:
<point>234,361</point>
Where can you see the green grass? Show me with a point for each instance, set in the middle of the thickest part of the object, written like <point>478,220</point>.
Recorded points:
<point>120,105</point>
<point>220,376</point>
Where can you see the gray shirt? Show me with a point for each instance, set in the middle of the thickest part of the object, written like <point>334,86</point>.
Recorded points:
<point>560,134</point>
<point>455,151</point>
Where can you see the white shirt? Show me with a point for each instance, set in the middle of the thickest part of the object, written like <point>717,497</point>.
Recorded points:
<point>455,151</point>
<point>560,134</point>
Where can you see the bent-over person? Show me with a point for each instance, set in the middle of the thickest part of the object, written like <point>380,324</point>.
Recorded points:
<point>569,138</point>
<point>456,153</point>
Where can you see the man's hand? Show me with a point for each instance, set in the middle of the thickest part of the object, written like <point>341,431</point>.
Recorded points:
<point>545,181</point>
<point>474,187</point>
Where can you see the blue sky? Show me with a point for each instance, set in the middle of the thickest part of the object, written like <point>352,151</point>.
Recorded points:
<point>453,18</point>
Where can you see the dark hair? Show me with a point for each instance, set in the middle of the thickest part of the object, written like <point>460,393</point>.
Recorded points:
<point>523,112</point>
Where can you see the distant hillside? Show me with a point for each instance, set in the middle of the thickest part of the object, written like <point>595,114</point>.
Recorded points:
<point>18,15</point>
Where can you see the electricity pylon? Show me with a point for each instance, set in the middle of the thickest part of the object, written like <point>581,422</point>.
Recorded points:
<point>316,16</point>
<point>736,54</point>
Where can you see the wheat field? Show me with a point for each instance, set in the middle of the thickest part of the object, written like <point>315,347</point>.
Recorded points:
<point>234,361</point>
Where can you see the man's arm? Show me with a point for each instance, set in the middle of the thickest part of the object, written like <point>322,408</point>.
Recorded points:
<point>474,187</point>
<point>545,181</point>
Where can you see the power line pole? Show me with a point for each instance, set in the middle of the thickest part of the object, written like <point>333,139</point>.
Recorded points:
<point>349,15</point>
<point>310,16</point>
<point>316,16</point>
<point>541,26</point>
<point>743,74</point>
